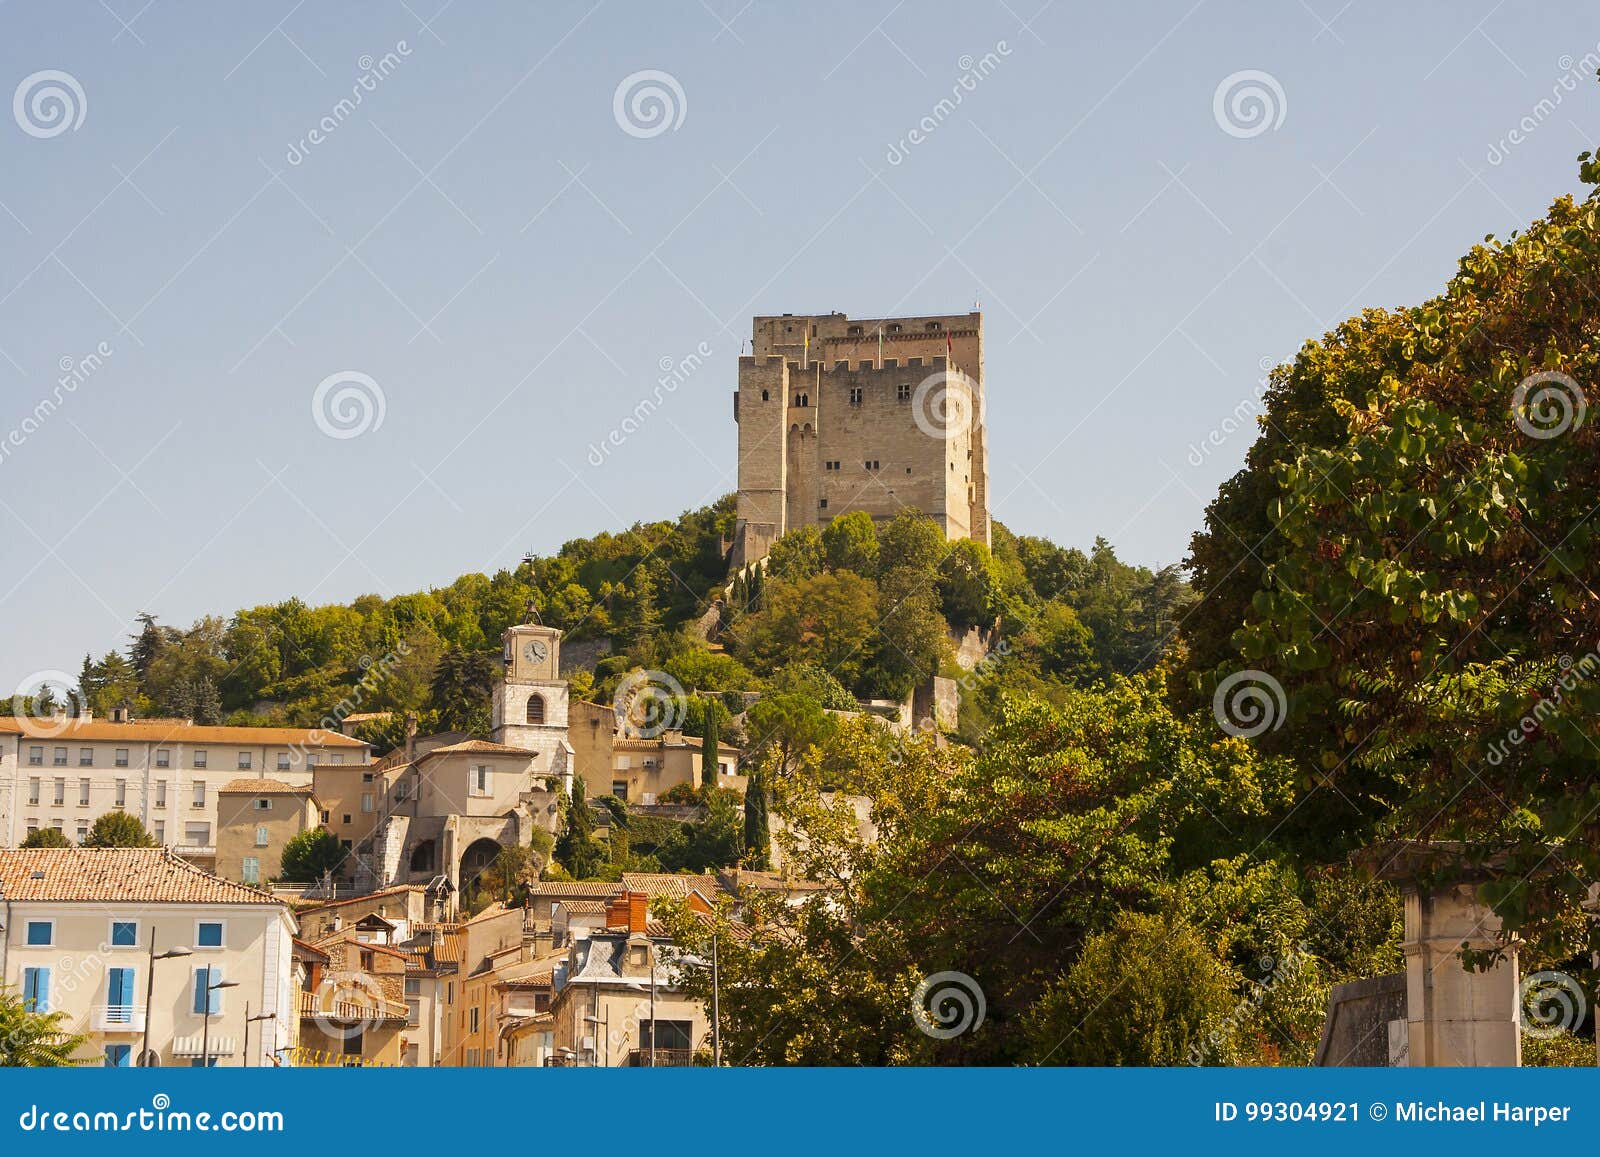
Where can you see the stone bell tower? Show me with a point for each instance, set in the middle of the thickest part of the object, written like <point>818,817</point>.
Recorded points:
<point>530,703</point>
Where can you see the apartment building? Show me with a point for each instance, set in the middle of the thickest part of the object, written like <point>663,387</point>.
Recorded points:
<point>66,772</point>
<point>91,931</point>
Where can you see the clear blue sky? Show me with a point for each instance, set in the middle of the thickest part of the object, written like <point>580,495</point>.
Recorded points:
<point>482,238</point>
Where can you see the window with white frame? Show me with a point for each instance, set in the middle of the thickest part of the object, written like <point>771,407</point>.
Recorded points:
<point>83,792</point>
<point>200,758</point>
<point>122,757</point>
<point>122,793</point>
<point>199,793</point>
<point>35,757</point>
<point>60,791</point>
<point>33,790</point>
<point>479,781</point>
<point>250,869</point>
<point>161,793</point>
<point>244,761</point>
<point>262,838</point>
<point>163,758</point>
<point>85,757</point>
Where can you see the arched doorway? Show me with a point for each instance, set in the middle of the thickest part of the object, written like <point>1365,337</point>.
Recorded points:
<point>478,856</point>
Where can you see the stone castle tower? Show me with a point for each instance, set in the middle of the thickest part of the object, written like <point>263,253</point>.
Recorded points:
<point>838,414</point>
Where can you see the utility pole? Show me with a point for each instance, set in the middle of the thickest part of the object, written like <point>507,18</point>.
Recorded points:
<point>716,1004</point>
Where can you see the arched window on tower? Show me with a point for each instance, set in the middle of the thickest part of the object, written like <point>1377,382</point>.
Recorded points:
<point>536,709</point>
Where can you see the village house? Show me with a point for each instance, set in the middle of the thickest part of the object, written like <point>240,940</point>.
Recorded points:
<point>148,956</point>
<point>611,757</point>
<point>352,1009</point>
<point>256,818</point>
<point>67,772</point>
<point>616,997</point>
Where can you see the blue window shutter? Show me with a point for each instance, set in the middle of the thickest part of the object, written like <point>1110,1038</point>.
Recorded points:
<point>202,978</point>
<point>36,988</point>
<point>119,987</point>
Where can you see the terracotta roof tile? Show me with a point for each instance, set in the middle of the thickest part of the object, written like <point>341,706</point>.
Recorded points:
<point>263,787</point>
<point>169,731</point>
<point>477,747</point>
<point>140,875</point>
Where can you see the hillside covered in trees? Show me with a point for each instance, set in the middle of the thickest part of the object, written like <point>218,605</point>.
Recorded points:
<point>875,612</point>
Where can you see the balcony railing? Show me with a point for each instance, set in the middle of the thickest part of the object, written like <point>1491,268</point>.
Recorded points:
<point>118,1018</point>
<point>665,1058</point>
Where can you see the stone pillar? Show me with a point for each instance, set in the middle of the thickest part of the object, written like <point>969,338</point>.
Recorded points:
<point>1453,1017</point>
<point>1456,1017</point>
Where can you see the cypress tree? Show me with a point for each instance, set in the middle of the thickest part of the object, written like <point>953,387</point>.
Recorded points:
<point>757,835</point>
<point>708,747</point>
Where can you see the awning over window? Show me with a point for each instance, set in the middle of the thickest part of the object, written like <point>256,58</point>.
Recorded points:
<point>191,1046</point>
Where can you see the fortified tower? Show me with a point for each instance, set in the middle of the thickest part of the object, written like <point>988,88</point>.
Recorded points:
<point>838,414</point>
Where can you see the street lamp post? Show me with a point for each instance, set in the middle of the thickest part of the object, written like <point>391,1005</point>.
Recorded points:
<point>249,1020</point>
<point>597,1022</point>
<point>205,1030</point>
<point>150,989</point>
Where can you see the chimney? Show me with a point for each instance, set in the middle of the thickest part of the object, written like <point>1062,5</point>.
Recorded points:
<point>411,736</point>
<point>630,911</point>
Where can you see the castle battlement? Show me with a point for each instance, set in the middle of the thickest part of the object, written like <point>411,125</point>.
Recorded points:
<point>838,414</point>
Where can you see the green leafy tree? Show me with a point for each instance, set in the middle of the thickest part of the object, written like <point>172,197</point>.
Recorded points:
<point>575,849</point>
<point>462,686</point>
<point>1147,991</point>
<point>46,838</point>
<point>118,829</point>
<point>794,558</point>
<point>30,1039</point>
<point>969,585</point>
<point>830,619</point>
<point>850,542</point>
<point>1409,552</point>
<point>311,855</point>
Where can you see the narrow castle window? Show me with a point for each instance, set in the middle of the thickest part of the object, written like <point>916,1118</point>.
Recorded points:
<point>536,709</point>
<point>855,395</point>
<point>903,391</point>
<point>765,397</point>
<point>855,329</point>
<point>823,504</point>
<point>931,325</point>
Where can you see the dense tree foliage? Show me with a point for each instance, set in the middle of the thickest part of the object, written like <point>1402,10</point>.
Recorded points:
<point>1410,553</point>
<point>310,855</point>
<point>118,829</point>
<point>30,1039</point>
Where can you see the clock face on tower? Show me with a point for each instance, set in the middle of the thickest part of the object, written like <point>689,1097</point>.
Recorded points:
<point>536,651</point>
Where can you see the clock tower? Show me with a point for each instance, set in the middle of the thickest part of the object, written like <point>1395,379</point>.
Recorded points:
<point>530,703</point>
